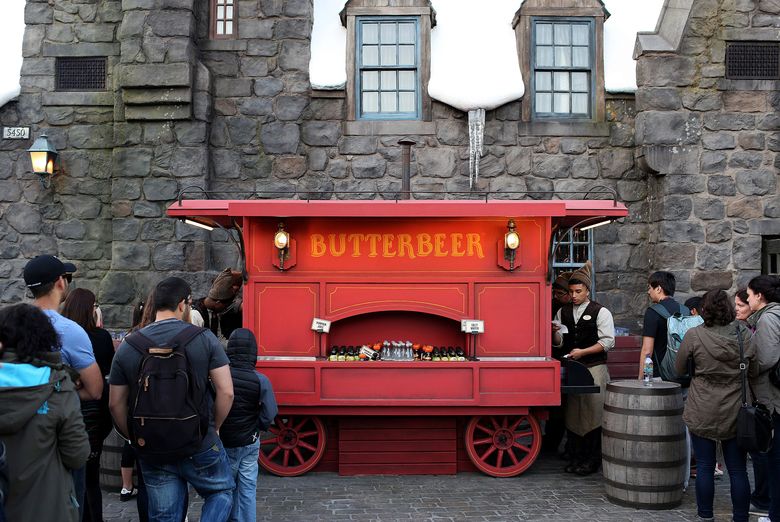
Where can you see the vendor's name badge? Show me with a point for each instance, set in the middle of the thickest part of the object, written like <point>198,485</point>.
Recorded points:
<point>320,325</point>
<point>472,326</point>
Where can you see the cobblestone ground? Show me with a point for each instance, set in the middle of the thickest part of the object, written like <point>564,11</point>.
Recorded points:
<point>542,493</point>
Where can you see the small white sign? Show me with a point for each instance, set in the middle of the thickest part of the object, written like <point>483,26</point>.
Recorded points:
<point>472,326</point>
<point>16,133</point>
<point>320,325</point>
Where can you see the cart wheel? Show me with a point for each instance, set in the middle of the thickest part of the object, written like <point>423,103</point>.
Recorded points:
<point>503,446</point>
<point>292,446</point>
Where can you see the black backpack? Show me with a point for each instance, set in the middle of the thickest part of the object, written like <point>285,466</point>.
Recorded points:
<point>169,414</point>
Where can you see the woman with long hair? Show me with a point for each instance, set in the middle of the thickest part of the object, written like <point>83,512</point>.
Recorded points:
<point>40,419</point>
<point>763,295</point>
<point>714,398</point>
<point>80,306</point>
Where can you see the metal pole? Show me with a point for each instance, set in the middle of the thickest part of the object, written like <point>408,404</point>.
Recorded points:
<point>406,167</point>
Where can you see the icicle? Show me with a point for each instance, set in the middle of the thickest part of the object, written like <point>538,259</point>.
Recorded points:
<point>476,135</point>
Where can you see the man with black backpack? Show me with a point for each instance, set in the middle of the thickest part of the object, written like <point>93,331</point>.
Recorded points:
<point>161,400</point>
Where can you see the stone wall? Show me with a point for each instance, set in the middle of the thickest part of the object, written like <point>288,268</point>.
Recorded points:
<point>713,144</point>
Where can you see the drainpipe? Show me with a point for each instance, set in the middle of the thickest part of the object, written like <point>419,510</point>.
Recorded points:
<point>406,168</point>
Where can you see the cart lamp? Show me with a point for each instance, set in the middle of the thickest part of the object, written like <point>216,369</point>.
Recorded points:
<point>43,156</point>
<point>598,224</point>
<point>511,243</point>
<point>198,224</point>
<point>282,243</point>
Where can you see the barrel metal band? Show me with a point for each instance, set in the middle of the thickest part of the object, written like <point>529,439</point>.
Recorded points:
<point>643,438</point>
<point>634,464</point>
<point>644,489</point>
<point>648,390</point>
<point>644,505</point>
<point>643,413</point>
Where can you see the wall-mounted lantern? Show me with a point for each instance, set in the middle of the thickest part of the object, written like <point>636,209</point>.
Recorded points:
<point>282,244</point>
<point>43,156</point>
<point>511,244</point>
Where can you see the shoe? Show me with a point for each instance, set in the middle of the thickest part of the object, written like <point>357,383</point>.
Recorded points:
<point>587,468</point>
<point>570,467</point>
<point>764,519</point>
<point>127,494</point>
<point>718,471</point>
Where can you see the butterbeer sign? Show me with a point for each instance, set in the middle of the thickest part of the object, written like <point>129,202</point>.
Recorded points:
<point>393,245</point>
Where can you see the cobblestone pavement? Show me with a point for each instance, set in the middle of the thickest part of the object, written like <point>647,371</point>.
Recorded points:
<point>542,493</point>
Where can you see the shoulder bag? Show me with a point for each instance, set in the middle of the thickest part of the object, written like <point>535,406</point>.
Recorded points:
<point>754,422</point>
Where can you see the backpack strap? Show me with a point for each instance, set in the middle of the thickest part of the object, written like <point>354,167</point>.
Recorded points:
<point>661,310</point>
<point>142,343</point>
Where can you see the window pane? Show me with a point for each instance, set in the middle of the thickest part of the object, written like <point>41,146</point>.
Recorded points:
<point>406,55</point>
<point>229,12</point>
<point>370,55</point>
<point>579,82</point>
<point>580,57</point>
<point>370,33</point>
<point>389,102</point>
<point>370,80</point>
<point>220,28</point>
<point>543,81</point>
<point>407,102</point>
<point>561,103</point>
<point>220,12</point>
<point>407,33</point>
<point>228,27</point>
<point>563,56</point>
<point>370,102</point>
<point>544,34</point>
<point>579,103</point>
<point>580,34</point>
<point>544,56</point>
<point>561,80</point>
<point>406,80</point>
<point>388,34</point>
<point>388,55</point>
<point>543,102</point>
<point>562,34</point>
<point>388,80</point>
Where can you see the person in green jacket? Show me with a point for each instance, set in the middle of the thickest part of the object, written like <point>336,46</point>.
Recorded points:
<point>40,419</point>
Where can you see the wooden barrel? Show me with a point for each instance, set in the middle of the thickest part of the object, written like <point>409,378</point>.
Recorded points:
<point>110,460</point>
<point>643,444</point>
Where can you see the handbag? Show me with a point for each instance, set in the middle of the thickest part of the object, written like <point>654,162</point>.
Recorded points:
<point>754,422</point>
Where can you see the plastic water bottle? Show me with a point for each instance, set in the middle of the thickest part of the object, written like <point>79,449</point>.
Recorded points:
<point>648,371</point>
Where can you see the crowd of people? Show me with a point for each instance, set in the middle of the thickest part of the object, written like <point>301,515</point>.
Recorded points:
<point>63,388</point>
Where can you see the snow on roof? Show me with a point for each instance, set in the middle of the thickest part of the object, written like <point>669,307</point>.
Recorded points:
<point>12,29</point>
<point>474,61</point>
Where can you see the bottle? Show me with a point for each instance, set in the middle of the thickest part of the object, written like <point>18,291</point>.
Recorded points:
<point>334,354</point>
<point>648,371</point>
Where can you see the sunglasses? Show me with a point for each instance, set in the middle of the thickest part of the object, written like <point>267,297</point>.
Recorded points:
<point>68,277</point>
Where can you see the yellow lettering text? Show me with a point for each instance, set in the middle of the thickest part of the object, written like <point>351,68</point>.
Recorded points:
<point>338,252</point>
<point>473,246</point>
<point>438,241</point>
<point>373,239</point>
<point>387,244</point>
<point>318,247</point>
<point>424,245</point>
<point>405,246</point>
<point>355,239</point>
<point>457,245</point>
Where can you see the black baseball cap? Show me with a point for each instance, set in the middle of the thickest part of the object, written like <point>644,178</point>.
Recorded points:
<point>45,269</point>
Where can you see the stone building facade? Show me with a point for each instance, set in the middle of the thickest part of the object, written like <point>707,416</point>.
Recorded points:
<point>692,154</point>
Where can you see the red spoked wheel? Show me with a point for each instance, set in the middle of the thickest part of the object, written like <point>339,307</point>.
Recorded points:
<point>293,445</point>
<point>503,446</point>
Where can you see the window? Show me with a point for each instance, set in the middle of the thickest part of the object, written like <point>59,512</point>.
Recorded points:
<point>388,78</point>
<point>223,15</point>
<point>770,259</point>
<point>562,58</point>
<point>80,74</point>
<point>753,60</point>
<point>572,251</point>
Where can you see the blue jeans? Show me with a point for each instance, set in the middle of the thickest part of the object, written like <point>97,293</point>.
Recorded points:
<point>773,474</point>
<point>243,464</point>
<point>80,487</point>
<point>704,449</point>
<point>760,496</point>
<point>207,471</point>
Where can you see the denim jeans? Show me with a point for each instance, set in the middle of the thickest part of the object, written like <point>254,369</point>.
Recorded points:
<point>760,496</point>
<point>80,487</point>
<point>773,474</point>
<point>209,473</point>
<point>705,450</point>
<point>243,464</point>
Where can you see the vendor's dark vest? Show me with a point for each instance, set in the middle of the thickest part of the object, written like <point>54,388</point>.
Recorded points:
<point>583,334</point>
<point>242,424</point>
<point>223,324</point>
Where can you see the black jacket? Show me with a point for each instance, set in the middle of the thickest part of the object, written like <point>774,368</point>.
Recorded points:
<point>224,323</point>
<point>584,333</point>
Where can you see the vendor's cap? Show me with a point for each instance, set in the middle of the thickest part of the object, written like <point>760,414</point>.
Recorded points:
<point>562,281</point>
<point>45,269</point>
<point>582,275</point>
<point>223,287</point>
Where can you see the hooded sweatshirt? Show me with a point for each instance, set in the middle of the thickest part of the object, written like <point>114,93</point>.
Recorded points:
<point>767,340</point>
<point>254,406</point>
<point>44,434</point>
<point>715,394</point>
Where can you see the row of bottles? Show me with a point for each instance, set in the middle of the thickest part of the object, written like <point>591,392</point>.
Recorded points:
<point>396,351</point>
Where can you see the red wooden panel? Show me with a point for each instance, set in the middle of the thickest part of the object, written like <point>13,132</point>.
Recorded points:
<point>405,468</point>
<point>512,316</point>
<point>508,381</point>
<point>370,381</point>
<point>330,459</point>
<point>423,454</point>
<point>347,299</point>
<point>283,314</point>
<point>290,379</point>
<point>389,433</point>
<point>389,446</point>
<point>381,423</point>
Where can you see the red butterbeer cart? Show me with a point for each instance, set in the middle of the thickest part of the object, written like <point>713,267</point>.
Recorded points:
<point>354,273</point>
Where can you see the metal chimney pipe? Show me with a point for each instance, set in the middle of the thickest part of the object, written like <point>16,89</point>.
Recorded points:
<point>406,167</point>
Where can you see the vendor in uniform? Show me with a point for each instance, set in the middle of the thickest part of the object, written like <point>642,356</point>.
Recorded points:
<point>221,310</point>
<point>591,334</point>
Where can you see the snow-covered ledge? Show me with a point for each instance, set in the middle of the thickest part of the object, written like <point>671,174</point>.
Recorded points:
<point>669,31</point>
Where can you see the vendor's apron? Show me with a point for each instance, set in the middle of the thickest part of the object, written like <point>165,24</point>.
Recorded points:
<point>583,410</point>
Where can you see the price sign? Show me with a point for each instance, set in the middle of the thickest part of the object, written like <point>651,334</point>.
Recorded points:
<point>320,325</point>
<point>472,326</point>
<point>16,133</point>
